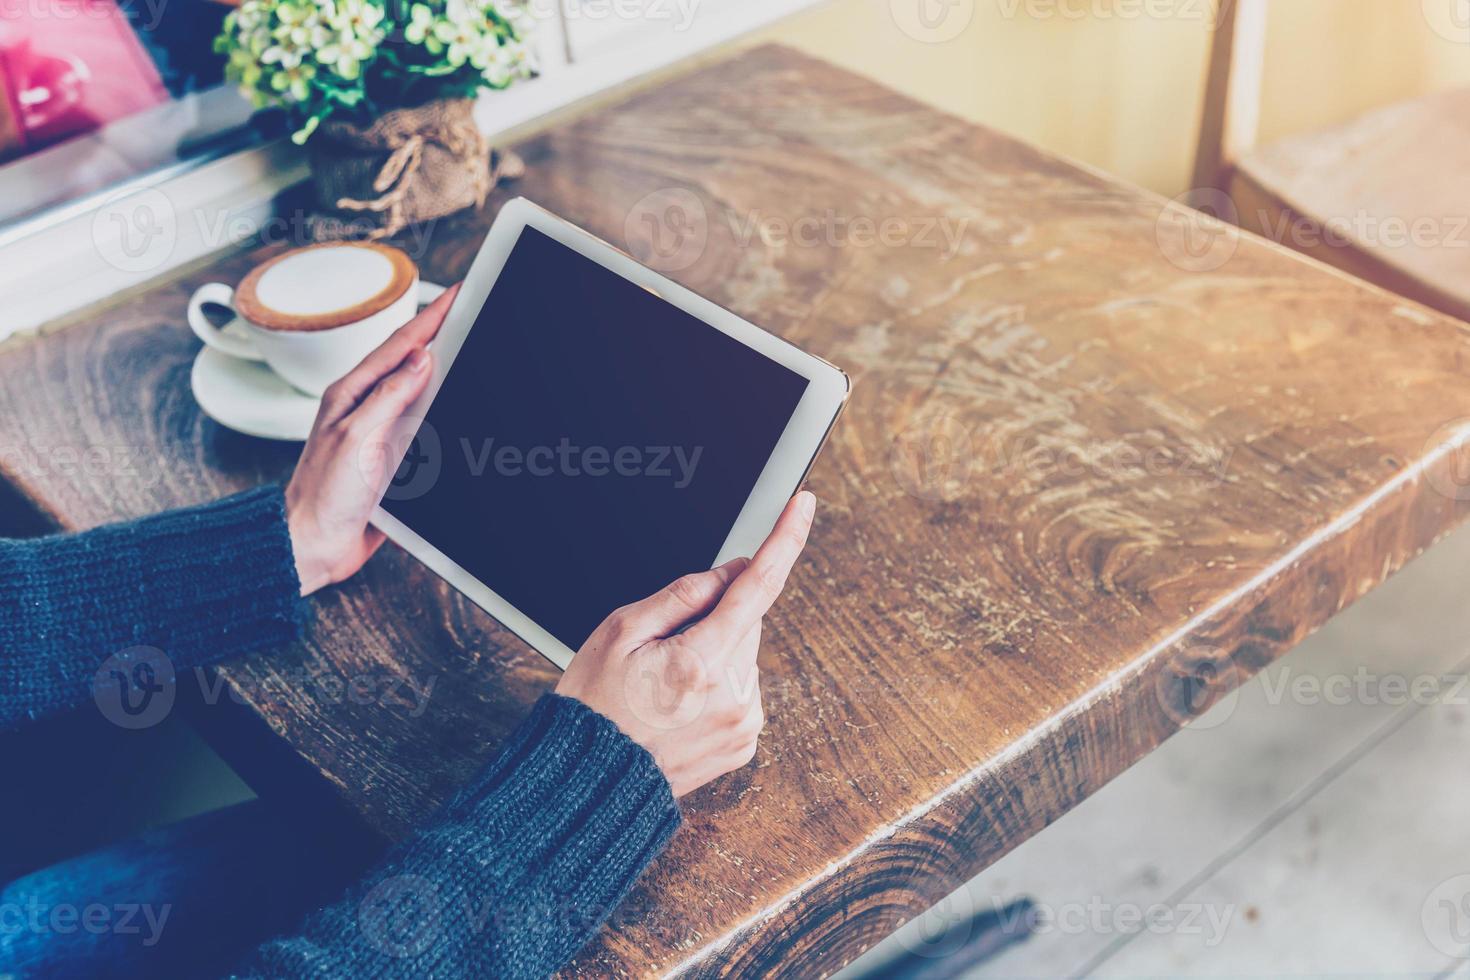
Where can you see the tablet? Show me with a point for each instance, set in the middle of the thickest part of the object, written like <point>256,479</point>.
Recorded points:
<point>592,431</point>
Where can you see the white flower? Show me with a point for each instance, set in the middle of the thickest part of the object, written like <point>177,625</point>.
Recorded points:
<point>319,56</point>
<point>280,55</point>
<point>420,23</point>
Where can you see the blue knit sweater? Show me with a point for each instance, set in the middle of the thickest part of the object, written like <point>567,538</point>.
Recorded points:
<point>509,879</point>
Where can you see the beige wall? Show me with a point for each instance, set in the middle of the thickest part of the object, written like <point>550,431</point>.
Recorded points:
<point>1118,83</point>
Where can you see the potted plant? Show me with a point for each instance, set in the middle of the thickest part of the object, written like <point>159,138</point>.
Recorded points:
<point>381,92</point>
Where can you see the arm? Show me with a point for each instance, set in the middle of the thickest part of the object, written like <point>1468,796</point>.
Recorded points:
<point>522,868</point>
<point>525,864</point>
<point>199,584</point>
<point>206,583</point>
<point>515,875</point>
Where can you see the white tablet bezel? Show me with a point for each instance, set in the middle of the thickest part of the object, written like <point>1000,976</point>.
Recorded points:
<point>781,477</point>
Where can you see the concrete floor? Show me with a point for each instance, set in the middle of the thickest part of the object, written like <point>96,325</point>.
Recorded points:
<point>1315,823</point>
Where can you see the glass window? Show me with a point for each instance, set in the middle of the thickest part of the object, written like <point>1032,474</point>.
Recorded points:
<point>96,92</point>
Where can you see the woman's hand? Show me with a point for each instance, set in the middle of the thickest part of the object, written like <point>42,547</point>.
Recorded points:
<point>692,698</point>
<point>343,470</point>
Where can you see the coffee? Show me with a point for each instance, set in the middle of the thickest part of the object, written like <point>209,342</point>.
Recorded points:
<point>324,286</point>
<point>312,313</point>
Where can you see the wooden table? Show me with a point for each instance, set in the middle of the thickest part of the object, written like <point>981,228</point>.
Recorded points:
<point>1088,479</point>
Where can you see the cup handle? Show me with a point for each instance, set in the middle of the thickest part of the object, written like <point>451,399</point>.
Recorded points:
<point>218,294</point>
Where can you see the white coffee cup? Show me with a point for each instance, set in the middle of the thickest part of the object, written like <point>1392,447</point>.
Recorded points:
<point>312,313</point>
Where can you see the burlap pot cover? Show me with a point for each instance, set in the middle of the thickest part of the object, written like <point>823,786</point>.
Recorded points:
<point>409,165</point>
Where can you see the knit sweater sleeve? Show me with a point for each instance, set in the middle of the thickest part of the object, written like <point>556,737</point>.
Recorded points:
<point>198,585</point>
<point>513,877</point>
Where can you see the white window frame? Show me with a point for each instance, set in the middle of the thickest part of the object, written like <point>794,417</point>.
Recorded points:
<point>87,251</point>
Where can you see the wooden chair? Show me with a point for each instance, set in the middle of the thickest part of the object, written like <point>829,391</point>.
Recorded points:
<point>1382,197</point>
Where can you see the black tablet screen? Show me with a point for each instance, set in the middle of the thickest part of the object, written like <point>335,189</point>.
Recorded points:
<point>591,442</point>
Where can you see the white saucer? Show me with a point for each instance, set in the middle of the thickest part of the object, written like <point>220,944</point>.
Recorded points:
<point>249,397</point>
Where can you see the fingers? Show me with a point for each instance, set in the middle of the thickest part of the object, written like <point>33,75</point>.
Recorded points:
<point>423,328</point>
<point>682,600</point>
<point>752,593</point>
<point>391,396</point>
<point>345,395</point>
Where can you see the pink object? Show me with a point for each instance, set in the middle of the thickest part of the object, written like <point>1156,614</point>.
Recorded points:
<point>71,67</point>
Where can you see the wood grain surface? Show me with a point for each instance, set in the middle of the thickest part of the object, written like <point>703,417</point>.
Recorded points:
<point>1104,459</point>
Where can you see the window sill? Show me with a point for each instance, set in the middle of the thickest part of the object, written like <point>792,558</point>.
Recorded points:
<point>79,255</point>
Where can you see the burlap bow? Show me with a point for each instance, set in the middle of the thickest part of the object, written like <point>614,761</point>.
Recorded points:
<point>409,165</point>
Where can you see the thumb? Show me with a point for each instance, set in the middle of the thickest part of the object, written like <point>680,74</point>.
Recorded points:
<point>681,601</point>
